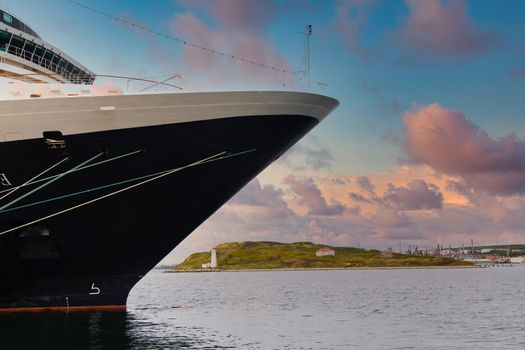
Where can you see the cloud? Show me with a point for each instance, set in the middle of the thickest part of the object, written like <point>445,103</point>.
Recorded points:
<point>392,224</point>
<point>268,199</point>
<point>351,17</point>
<point>309,153</point>
<point>365,184</point>
<point>338,181</point>
<point>384,105</point>
<point>160,57</point>
<point>517,73</point>
<point>235,15</point>
<point>391,137</point>
<point>417,196</point>
<point>311,197</point>
<point>449,143</point>
<point>238,28</point>
<point>458,187</point>
<point>268,212</point>
<point>359,197</point>
<point>443,28</point>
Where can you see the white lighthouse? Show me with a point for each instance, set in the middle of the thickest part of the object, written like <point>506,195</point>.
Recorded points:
<point>213,263</point>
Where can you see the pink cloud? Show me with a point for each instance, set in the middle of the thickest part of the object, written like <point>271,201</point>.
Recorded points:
<point>187,25</point>
<point>239,29</point>
<point>416,196</point>
<point>444,28</point>
<point>351,17</point>
<point>445,140</point>
<point>267,212</point>
<point>391,224</point>
<point>235,15</point>
<point>311,197</point>
<point>357,197</point>
<point>267,198</point>
<point>365,184</point>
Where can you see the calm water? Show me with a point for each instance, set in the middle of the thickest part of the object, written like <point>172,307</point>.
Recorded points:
<point>376,309</point>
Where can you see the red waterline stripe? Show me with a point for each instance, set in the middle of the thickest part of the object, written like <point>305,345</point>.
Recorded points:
<point>64,308</point>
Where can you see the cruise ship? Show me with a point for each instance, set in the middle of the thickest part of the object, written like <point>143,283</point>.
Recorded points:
<point>96,190</point>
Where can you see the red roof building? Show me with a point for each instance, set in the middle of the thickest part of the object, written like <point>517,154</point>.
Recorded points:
<point>325,252</point>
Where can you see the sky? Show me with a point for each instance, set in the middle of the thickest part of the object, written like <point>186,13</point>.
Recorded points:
<point>427,146</point>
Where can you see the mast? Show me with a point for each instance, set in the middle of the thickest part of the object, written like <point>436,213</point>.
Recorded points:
<point>308,35</point>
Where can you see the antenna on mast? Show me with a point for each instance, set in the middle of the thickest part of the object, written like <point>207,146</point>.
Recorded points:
<point>308,35</point>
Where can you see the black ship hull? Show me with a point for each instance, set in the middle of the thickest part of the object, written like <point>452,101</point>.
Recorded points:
<point>83,239</point>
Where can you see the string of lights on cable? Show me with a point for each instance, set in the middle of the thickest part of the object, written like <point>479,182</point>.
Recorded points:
<point>182,41</point>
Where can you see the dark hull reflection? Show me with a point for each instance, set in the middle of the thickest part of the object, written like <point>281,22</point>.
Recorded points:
<point>90,330</point>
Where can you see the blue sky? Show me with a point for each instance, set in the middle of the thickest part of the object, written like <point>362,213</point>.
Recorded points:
<point>380,59</point>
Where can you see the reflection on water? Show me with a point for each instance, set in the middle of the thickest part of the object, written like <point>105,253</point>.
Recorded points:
<point>93,330</point>
<point>56,330</point>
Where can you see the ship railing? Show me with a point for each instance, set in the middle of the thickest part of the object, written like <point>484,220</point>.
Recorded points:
<point>74,77</point>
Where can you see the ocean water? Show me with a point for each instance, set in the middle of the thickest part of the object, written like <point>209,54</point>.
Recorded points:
<point>349,309</point>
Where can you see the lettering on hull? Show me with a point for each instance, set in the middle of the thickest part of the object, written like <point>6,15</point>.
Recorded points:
<point>4,181</point>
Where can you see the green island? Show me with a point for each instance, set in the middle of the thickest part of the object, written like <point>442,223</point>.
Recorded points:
<point>302,255</point>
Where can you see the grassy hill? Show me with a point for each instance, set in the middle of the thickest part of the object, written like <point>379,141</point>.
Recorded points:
<point>273,255</point>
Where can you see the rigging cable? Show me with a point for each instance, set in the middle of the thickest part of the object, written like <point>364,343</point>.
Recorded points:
<point>71,171</point>
<point>182,41</point>
<point>89,190</point>
<point>50,182</point>
<point>12,190</point>
<point>218,156</point>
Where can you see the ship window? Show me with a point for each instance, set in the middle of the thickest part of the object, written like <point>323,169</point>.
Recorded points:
<point>48,56</point>
<point>17,41</point>
<point>56,61</point>
<point>39,52</point>
<point>8,18</point>
<point>4,39</point>
<point>28,50</point>
<point>16,45</point>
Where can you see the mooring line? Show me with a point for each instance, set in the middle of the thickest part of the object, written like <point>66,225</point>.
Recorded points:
<point>217,156</point>
<point>12,190</point>
<point>49,182</point>
<point>79,169</point>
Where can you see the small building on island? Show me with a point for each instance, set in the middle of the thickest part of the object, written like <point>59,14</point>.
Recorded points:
<point>325,252</point>
<point>389,253</point>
